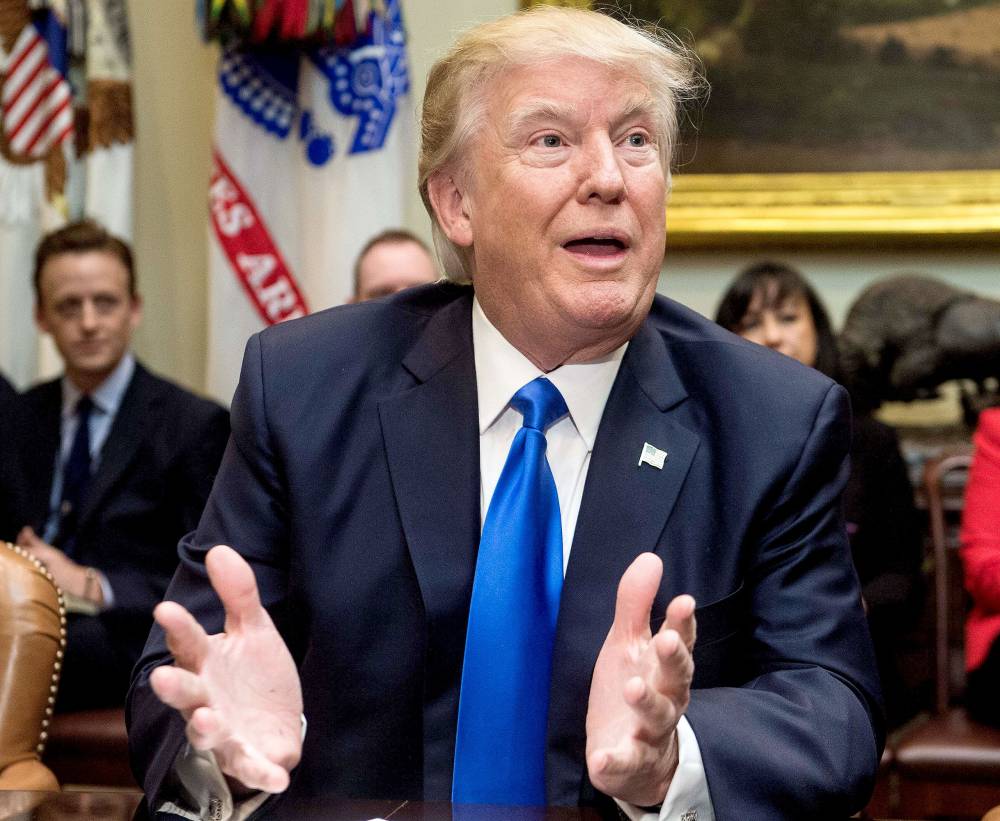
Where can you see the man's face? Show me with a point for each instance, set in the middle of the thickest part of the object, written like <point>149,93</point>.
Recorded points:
<point>392,266</point>
<point>85,305</point>
<point>562,202</point>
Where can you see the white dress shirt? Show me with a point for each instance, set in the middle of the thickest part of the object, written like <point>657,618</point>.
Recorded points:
<point>502,370</point>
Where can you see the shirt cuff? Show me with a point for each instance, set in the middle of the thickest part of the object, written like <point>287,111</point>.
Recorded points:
<point>207,793</point>
<point>106,591</point>
<point>208,797</point>
<point>687,796</point>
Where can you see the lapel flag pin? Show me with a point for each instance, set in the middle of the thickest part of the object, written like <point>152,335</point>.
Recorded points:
<point>652,456</point>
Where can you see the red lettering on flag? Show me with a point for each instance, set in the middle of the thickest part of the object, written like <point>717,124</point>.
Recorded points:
<point>250,249</point>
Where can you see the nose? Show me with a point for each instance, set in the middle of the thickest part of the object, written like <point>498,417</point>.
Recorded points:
<point>771,332</point>
<point>88,315</point>
<point>601,174</point>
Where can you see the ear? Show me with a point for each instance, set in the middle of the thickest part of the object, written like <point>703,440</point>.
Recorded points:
<point>136,313</point>
<point>452,206</point>
<point>40,319</point>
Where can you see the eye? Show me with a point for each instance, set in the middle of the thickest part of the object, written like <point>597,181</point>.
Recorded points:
<point>551,141</point>
<point>68,309</point>
<point>105,304</point>
<point>637,140</point>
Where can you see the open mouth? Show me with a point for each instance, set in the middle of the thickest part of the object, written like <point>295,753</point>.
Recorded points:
<point>596,246</point>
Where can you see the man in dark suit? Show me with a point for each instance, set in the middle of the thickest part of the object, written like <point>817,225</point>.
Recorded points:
<point>368,462</point>
<point>116,463</point>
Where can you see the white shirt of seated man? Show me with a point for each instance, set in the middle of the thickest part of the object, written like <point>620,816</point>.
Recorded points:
<point>559,205</point>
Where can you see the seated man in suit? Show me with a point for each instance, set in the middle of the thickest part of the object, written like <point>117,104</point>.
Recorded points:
<point>470,523</point>
<point>116,463</point>
<point>391,261</point>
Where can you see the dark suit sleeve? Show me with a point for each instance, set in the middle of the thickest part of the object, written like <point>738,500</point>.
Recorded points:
<point>796,739</point>
<point>245,509</point>
<point>198,438</point>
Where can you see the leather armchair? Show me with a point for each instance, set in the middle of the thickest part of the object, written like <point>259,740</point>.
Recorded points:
<point>32,639</point>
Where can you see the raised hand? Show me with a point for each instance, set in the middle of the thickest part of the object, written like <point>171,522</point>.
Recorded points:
<point>238,690</point>
<point>640,689</point>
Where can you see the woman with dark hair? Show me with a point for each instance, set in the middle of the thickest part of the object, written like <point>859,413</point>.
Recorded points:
<point>772,304</point>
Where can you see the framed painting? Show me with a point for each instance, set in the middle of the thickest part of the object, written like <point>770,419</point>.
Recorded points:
<point>837,121</point>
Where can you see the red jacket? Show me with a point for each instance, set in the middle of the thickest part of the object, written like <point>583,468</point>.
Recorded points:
<point>981,541</point>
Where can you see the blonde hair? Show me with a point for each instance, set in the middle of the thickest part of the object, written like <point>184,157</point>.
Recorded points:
<point>455,99</point>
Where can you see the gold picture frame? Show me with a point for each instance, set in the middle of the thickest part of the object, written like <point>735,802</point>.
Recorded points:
<point>866,208</point>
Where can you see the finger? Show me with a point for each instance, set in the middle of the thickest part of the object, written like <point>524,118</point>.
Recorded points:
<point>45,554</point>
<point>187,640</point>
<point>680,617</point>
<point>673,669</point>
<point>206,729</point>
<point>636,592</point>
<point>655,712</point>
<point>250,768</point>
<point>26,537</point>
<point>234,581</point>
<point>178,688</point>
<point>613,762</point>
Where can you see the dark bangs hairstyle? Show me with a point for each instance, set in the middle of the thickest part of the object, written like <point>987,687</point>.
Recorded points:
<point>776,282</point>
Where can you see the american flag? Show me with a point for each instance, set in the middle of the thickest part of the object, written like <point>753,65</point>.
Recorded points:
<point>37,102</point>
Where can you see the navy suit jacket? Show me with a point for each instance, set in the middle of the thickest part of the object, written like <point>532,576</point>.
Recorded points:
<point>156,469</point>
<point>351,485</point>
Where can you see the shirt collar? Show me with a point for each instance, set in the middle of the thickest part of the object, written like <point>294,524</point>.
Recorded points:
<point>502,370</point>
<point>108,395</point>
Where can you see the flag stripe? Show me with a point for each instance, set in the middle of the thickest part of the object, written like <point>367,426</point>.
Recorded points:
<point>22,50</point>
<point>43,133</point>
<point>28,131</point>
<point>31,102</point>
<point>60,129</point>
<point>16,86</point>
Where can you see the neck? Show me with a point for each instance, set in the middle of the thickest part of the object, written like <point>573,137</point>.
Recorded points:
<point>550,348</point>
<point>87,383</point>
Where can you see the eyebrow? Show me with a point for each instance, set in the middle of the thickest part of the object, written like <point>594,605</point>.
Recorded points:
<point>541,110</point>
<point>537,111</point>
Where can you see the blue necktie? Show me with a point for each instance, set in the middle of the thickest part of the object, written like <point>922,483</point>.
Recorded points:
<point>76,475</point>
<point>503,707</point>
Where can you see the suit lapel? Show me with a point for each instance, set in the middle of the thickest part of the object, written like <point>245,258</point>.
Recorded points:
<point>624,510</point>
<point>124,439</point>
<point>431,438</point>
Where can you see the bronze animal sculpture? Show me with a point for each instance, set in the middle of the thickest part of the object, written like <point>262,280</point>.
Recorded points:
<point>906,335</point>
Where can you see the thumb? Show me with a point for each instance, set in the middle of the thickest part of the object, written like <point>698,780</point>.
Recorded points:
<point>26,536</point>
<point>636,592</point>
<point>236,587</point>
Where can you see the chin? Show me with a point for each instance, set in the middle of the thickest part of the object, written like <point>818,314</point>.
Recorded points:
<point>607,305</point>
